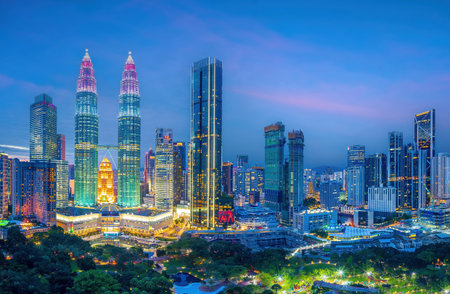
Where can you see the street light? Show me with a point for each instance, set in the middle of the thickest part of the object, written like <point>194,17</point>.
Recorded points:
<point>340,273</point>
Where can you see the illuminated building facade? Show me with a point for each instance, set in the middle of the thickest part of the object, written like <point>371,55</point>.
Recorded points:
<point>5,184</point>
<point>61,147</point>
<point>22,189</point>
<point>164,170</point>
<point>396,170</point>
<point>44,192</point>
<point>206,143</point>
<point>274,185</point>
<point>227,177</point>
<point>86,136</point>
<point>440,178</point>
<point>424,138</point>
<point>43,137</point>
<point>355,186</point>
<point>105,183</point>
<point>149,171</point>
<point>376,171</point>
<point>294,198</point>
<point>129,138</point>
<point>179,172</point>
<point>356,155</point>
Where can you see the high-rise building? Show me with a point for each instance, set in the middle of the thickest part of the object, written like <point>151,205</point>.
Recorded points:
<point>61,147</point>
<point>424,138</point>
<point>355,186</point>
<point>179,172</point>
<point>86,136</point>
<point>295,176</point>
<point>396,171</point>
<point>241,160</point>
<point>382,199</point>
<point>44,192</point>
<point>356,155</point>
<point>440,178</point>
<point>274,175</point>
<point>206,143</point>
<point>376,170</point>
<point>129,138</point>
<point>164,170</point>
<point>5,184</point>
<point>227,177</point>
<point>43,137</point>
<point>62,183</point>
<point>22,189</point>
<point>329,194</point>
<point>413,195</point>
<point>149,170</point>
<point>105,183</point>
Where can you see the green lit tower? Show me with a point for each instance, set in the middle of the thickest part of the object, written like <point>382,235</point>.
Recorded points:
<point>129,137</point>
<point>86,136</point>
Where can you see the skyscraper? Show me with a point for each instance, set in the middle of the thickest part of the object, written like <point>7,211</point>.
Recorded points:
<point>5,184</point>
<point>105,183</point>
<point>376,170</point>
<point>274,185</point>
<point>61,147</point>
<point>227,177</point>
<point>164,169</point>
<point>206,142</point>
<point>129,138</point>
<point>241,160</point>
<point>295,175</point>
<point>356,155</point>
<point>329,194</point>
<point>86,136</point>
<point>396,171</point>
<point>355,186</point>
<point>440,178</point>
<point>413,196</point>
<point>43,137</point>
<point>179,172</point>
<point>44,192</point>
<point>424,137</point>
<point>22,189</point>
<point>149,170</point>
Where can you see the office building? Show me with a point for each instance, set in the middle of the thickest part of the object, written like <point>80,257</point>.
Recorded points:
<point>149,171</point>
<point>241,160</point>
<point>424,138</point>
<point>396,170</point>
<point>356,155</point>
<point>440,179</point>
<point>128,182</point>
<point>376,170</point>
<point>295,176</point>
<point>45,192</point>
<point>307,221</point>
<point>206,143</point>
<point>43,137</point>
<point>5,184</point>
<point>62,182</point>
<point>179,172</point>
<point>274,173</point>
<point>61,147</point>
<point>164,170</point>
<point>86,136</point>
<point>329,194</point>
<point>382,199</point>
<point>227,177</point>
<point>105,192</point>
<point>355,186</point>
<point>414,196</point>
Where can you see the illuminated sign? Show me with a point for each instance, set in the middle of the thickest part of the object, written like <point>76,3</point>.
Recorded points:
<point>226,217</point>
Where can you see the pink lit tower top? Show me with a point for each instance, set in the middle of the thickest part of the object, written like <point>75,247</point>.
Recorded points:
<point>86,136</point>
<point>128,184</point>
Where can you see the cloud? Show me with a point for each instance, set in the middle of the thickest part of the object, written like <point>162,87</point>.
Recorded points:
<point>15,147</point>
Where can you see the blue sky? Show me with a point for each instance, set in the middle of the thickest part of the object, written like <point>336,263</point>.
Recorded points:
<point>345,72</point>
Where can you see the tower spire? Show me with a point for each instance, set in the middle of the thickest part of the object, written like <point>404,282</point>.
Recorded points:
<point>86,78</point>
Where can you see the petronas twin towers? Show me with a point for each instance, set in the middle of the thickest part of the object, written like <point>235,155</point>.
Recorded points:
<point>86,137</point>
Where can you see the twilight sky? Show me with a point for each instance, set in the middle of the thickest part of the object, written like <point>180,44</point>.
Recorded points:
<point>345,72</point>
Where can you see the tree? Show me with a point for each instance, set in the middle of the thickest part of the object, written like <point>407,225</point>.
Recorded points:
<point>276,287</point>
<point>95,282</point>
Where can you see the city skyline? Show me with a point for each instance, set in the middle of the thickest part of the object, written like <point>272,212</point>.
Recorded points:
<point>338,91</point>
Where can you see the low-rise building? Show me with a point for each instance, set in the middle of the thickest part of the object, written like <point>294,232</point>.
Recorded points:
<point>250,217</point>
<point>435,217</point>
<point>308,220</point>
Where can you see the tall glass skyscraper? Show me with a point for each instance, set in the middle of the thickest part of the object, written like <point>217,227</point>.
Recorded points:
<point>86,136</point>
<point>396,170</point>
<point>206,142</point>
<point>179,172</point>
<point>274,186</point>
<point>61,147</point>
<point>149,171</point>
<point>5,184</point>
<point>43,137</point>
<point>376,170</point>
<point>295,175</point>
<point>424,138</point>
<point>129,138</point>
<point>227,177</point>
<point>440,178</point>
<point>164,169</point>
<point>356,155</point>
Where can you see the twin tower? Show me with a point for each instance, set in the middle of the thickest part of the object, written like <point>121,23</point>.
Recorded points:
<point>86,137</point>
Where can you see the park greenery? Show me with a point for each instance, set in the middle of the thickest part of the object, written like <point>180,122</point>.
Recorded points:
<point>54,262</point>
